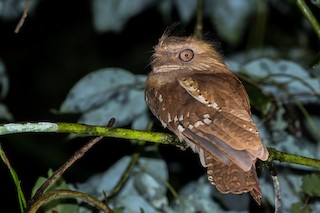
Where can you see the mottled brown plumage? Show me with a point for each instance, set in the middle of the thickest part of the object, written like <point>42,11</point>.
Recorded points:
<point>192,92</point>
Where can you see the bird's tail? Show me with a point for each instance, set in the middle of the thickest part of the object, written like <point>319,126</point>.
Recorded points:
<point>230,178</point>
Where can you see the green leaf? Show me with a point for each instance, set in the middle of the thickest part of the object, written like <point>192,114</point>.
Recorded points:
<point>119,210</point>
<point>40,181</point>
<point>310,184</point>
<point>258,99</point>
<point>61,205</point>
<point>21,197</point>
<point>299,208</point>
<point>286,80</point>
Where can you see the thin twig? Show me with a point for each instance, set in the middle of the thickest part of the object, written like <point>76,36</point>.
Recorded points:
<point>62,192</point>
<point>128,170</point>
<point>313,125</point>
<point>58,173</point>
<point>276,185</point>
<point>277,197</point>
<point>154,173</point>
<point>124,177</point>
<point>24,16</point>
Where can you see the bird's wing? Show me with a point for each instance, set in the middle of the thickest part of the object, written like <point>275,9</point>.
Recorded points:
<point>217,117</point>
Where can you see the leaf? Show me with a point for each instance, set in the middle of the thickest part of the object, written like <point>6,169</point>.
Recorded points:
<point>316,2</point>
<point>20,195</point>
<point>4,113</point>
<point>141,122</point>
<point>229,17</point>
<point>284,79</point>
<point>136,193</point>
<point>258,98</point>
<point>92,89</point>
<point>186,9</point>
<point>56,205</point>
<point>4,85</point>
<point>4,81</point>
<point>310,184</point>
<point>290,184</point>
<point>108,93</point>
<point>13,9</point>
<point>197,196</point>
<point>299,208</point>
<point>112,15</point>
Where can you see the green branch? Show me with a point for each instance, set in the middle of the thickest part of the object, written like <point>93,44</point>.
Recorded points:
<point>291,158</point>
<point>82,129</point>
<point>156,137</point>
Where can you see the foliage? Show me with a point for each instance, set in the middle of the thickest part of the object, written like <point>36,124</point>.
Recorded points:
<point>284,91</point>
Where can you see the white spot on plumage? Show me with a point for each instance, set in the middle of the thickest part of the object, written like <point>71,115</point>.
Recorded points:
<point>181,118</point>
<point>188,114</point>
<point>192,89</point>
<point>195,92</point>
<point>190,126</point>
<point>201,155</point>
<point>169,117</point>
<point>207,121</point>
<point>180,128</point>
<point>214,105</point>
<point>202,99</point>
<point>175,118</point>
<point>206,116</point>
<point>163,123</point>
<point>160,98</point>
<point>163,108</point>
<point>198,123</point>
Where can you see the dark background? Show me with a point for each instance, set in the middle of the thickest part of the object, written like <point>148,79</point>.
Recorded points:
<point>58,45</point>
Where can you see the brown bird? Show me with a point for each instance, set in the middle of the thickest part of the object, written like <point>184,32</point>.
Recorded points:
<point>193,93</point>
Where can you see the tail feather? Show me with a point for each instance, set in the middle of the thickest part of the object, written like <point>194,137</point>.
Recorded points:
<point>230,178</point>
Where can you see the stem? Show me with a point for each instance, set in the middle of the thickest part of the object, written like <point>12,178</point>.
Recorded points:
<point>308,14</point>
<point>199,25</point>
<point>124,177</point>
<point>24,16</point>
<point>61,192</point>
<point>257,32</point>
<point>312,123</point>
<point>276,185</point>
<point>58,173</point>
<point>277,197</point>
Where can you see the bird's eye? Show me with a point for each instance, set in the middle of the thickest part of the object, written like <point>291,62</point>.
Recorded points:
<point>186,55</point>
